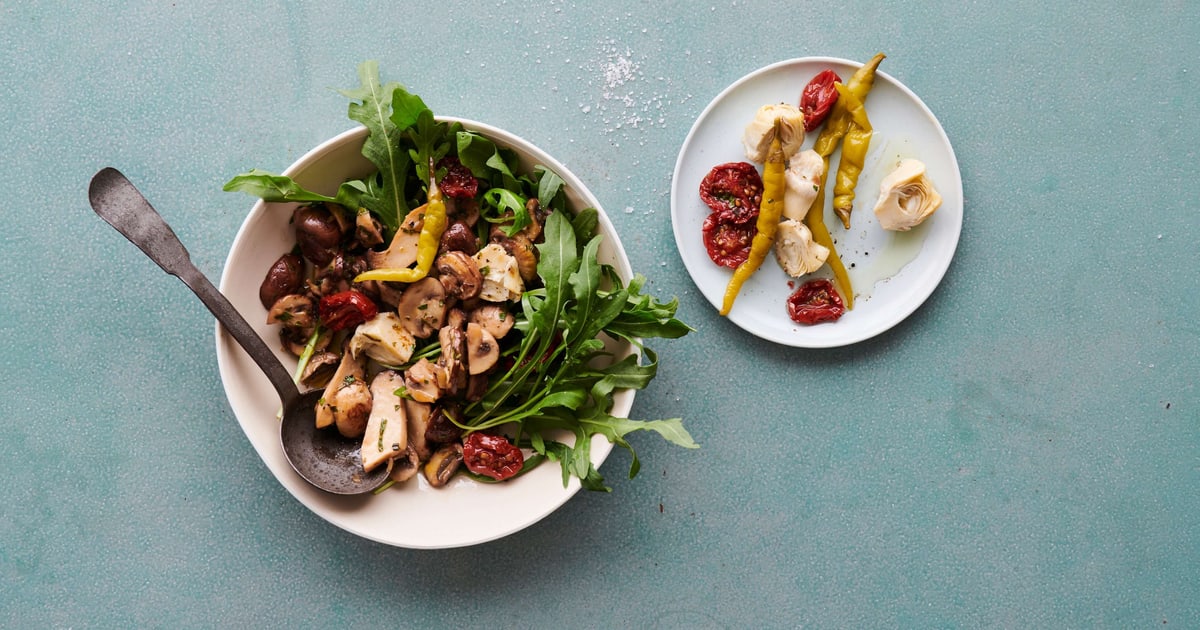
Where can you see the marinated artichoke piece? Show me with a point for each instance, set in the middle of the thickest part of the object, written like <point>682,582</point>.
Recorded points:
<point>906,197</point>
<point>803,177</point>
<point>501,275</point>
<point>796,250</point>
<point>384,339</point>
<point>760,131</point>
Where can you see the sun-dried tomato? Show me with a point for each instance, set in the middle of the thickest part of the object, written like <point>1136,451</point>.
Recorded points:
<point>346,309</point>
<point>818,98</point>
<point>734,188</point>
<point>815,302</point>
<point>459,182</point>
<point>492,456</point>
<point>727,241</point>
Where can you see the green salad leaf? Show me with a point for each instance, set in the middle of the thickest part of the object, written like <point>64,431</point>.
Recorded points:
<point>277,188</point>
<point>385,195</point>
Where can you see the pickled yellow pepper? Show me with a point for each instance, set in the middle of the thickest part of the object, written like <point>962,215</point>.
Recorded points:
<point>433,224</point>
<point>855,144</point>
<point>826,143</point>
<point>767,225</point>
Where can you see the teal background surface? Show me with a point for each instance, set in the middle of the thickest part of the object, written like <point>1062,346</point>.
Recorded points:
<point>1023,451</point>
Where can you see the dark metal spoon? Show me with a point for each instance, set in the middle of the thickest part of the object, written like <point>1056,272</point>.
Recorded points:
<point>323,458</point>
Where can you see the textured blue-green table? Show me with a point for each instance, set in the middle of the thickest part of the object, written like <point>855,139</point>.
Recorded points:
<point>1024,451</point>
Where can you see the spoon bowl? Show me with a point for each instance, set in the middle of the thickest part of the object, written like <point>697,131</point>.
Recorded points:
<point>323,458</point>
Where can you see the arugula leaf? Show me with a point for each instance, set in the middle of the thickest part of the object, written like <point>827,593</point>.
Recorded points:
<point>549,185</point>
<point>567,458</point>
<point>645,316</point>
<point>382,147</point>
<point>557,259</point>
<point>430,143</point>
<point>495,165</point>
<point>406,109</point>
<point>568,398</point>
<point>278,188</point>
<point>503,201</point>
<point>617,428</point>
<point>584,224</point>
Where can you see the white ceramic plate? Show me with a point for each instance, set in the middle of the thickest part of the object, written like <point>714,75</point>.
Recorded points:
<point>892,273</point>
<point>464,512</point>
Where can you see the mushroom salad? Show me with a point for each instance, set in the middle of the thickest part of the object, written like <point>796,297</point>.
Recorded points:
<point>453,309</point>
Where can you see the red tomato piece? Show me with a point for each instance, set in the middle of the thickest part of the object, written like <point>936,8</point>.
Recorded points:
<point>735,189</point>
<point>815,302</point>
<point>492,456</point>
<point>818,98</point>
<point>459,182</point>
<point>346,309</point>
<point>727,240</point>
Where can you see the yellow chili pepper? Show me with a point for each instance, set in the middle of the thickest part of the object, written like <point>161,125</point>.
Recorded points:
<point>836,125</point>
<point>839,117</point>
<point>433,224</point>
<point>769,211</point>
<point>855,144</point>
<point>815,220</point>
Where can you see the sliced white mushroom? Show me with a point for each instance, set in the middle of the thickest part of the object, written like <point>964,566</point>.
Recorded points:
<point>494,318</point>
<point>796,250</point>
<point>482,349</point>
<point>402,251</point>
<point>422,381</point>
<point>422,307</point>
<point>349,370</point>
<point>443,464</point>
<point>906,197</point>
<point>453,374</point>
<point>418,414</point>
<point>803,177</point>
<point>383,338</point>
<point>386,435</point>
<point>501,276</point>
<point>458,274</point>
<point>295,310</point>
<point>352,408</point>
<point>319,369</point>
<point>404,467</point>
<point>367,230</point>
<point>760,131</point>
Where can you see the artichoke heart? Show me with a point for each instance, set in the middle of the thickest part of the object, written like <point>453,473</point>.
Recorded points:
<point>796,250</point>
<point>501,274</point>
<point>758,134</point>
<point>803,176</point>
<point>384,339</point>
<point>906,197</point>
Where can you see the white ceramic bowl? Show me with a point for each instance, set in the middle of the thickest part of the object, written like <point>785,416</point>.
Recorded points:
<point>417,516</point>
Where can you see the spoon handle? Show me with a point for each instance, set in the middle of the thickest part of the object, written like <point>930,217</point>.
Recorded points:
<point>118,202</point>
